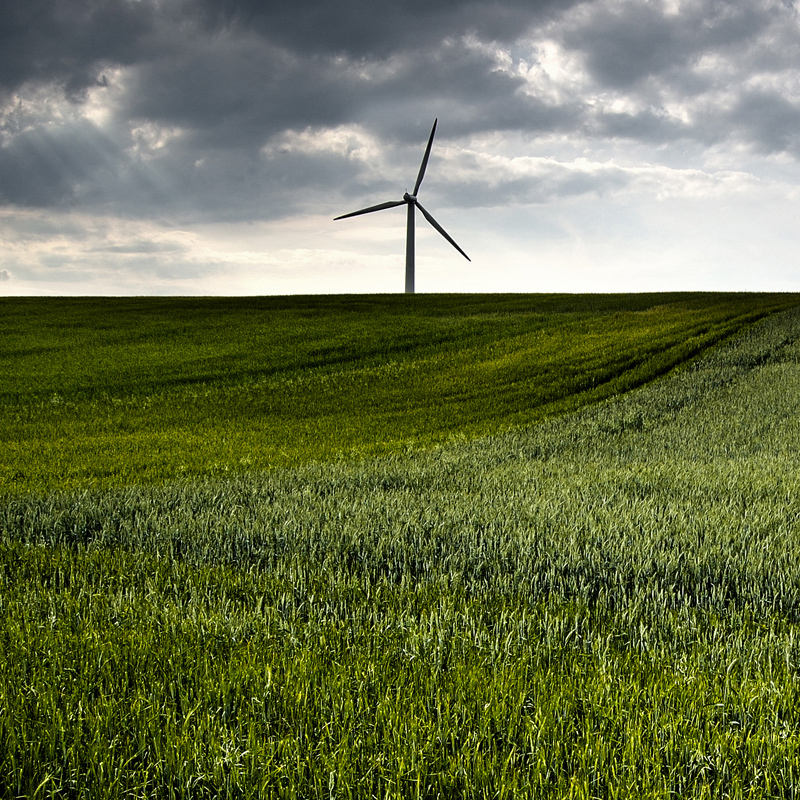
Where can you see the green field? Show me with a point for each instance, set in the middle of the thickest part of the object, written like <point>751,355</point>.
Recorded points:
<point>603,604</point>
<point>110,392</point>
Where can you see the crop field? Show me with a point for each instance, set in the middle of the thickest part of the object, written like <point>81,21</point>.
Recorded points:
<point>568,587</point>
<point>96,393</point>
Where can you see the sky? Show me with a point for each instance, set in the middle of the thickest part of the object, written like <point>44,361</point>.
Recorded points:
<point>204,147</point>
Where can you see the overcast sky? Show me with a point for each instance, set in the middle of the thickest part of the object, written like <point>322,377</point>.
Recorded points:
<point>205,146</point>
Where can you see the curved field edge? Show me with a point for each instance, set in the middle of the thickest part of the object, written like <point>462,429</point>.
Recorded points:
<point>117,391</point>
<point>603,605</point>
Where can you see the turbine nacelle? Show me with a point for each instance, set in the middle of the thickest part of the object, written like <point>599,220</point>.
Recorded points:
<point>411,201</point>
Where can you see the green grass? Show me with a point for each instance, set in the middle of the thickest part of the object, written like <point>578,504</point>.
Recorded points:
<point>602,605</point>
<point>98,393</point>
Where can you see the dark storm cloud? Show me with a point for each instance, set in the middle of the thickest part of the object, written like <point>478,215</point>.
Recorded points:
<point>229,76</point>
<point>50,166</point>
<point>238,91</point>
<point>208,85</point>
<point>769,119</point>
<point>630,42</point>
<point>235,92</point>
<point>701,57</point>
<point>647,125</point>
<point>364,29</point>
<point>228,91</point>
<point>65,42</point>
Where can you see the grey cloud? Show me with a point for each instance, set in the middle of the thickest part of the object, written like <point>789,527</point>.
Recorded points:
<point>646,126</point>
<point>140,247</point>
<point>701,59</point>
<point>625,44</point>
<point>244,93</point>
<point>238,95</point>
<point>79,166</point>
<point>227,96</point>
<point>49,165</point>
<point>66,41</point>
<point>623,48</point>
<point>769,120</point>
<point>225,77</point>
<point>558,182</point>
<point>360,29</point>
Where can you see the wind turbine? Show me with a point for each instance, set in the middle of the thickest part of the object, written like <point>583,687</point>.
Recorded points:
<point>411,201</point>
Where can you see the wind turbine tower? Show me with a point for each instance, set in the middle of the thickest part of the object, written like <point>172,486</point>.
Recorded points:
<point>413,203</point>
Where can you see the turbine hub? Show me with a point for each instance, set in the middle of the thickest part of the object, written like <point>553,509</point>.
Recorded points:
<point>410,198</point>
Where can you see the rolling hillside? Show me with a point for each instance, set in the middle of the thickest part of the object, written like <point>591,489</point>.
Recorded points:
<point>604,604</point>
<point>114,391</point>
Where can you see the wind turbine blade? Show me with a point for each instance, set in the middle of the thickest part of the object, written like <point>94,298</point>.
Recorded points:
<point>380,207</point>
<point>442,231</point>
<point>425,159</point>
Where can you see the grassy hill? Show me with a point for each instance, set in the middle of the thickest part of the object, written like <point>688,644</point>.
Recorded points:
<point>113,391</point>
<point>604,604</point>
